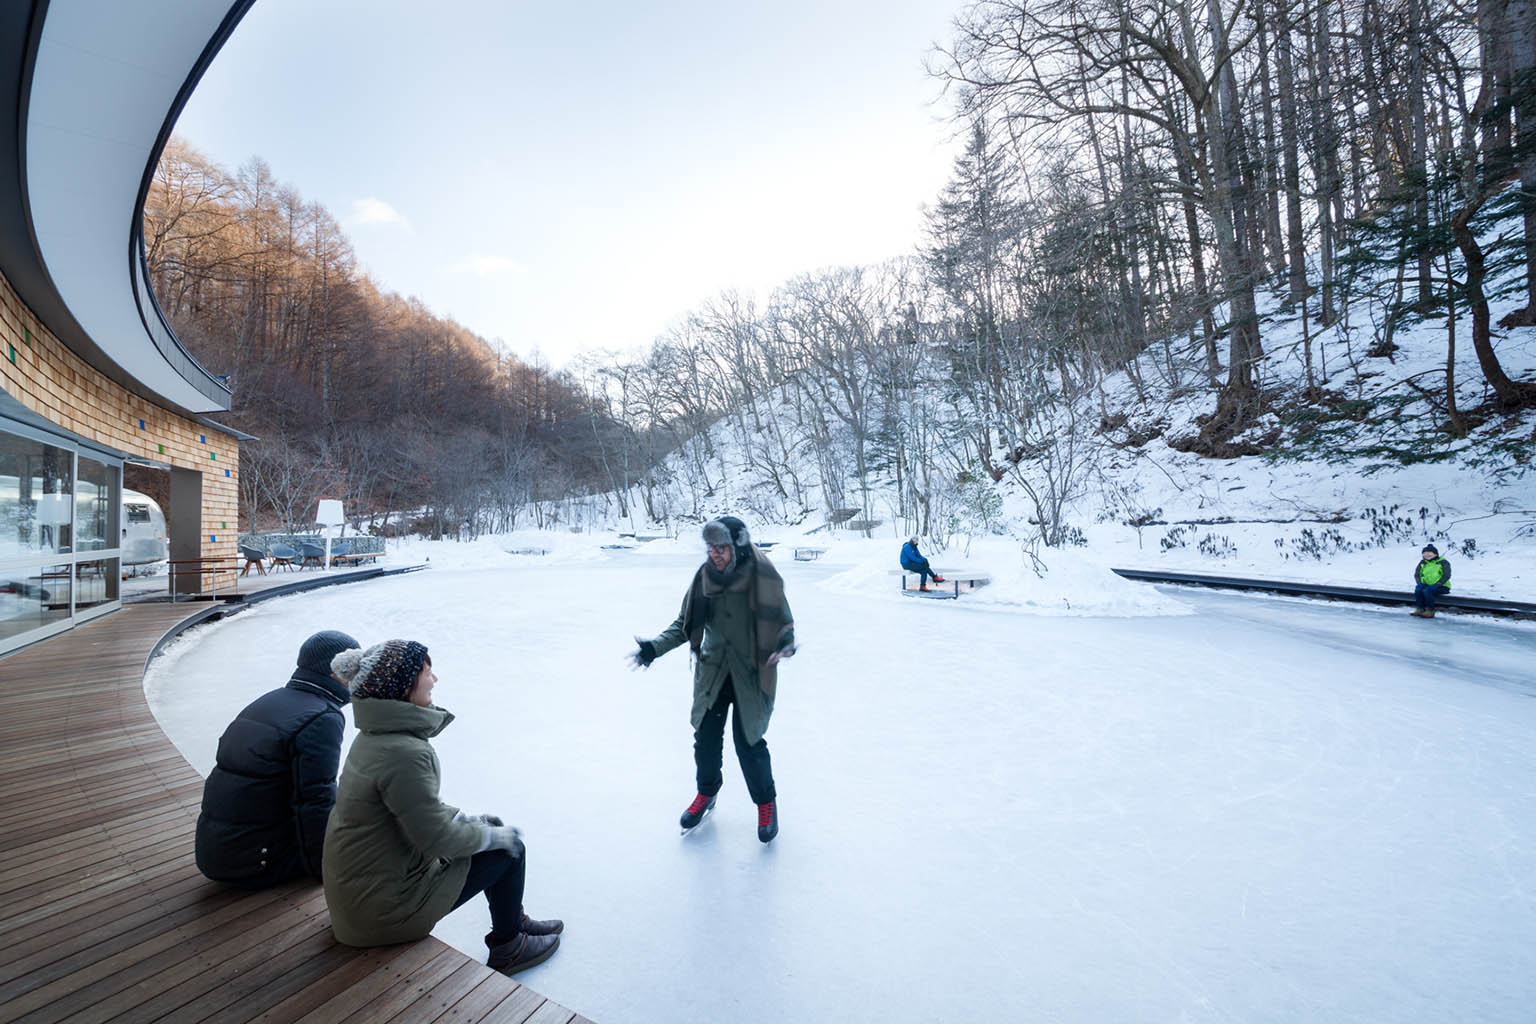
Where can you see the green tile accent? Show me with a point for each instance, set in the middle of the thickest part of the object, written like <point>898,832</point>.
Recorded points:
<point>223,526</point>
<point>27,333</point>
<point>213,455</point>
<point>13,354</point>
<point>162,449</point>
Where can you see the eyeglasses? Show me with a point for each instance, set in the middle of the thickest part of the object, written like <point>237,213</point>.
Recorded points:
<point>718,549</point>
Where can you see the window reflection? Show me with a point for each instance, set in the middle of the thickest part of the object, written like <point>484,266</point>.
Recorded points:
<point>60,519</point>
<point>96,505</point>
<point>33,597</point>
<point>96,582</point>
<point>35,497</point>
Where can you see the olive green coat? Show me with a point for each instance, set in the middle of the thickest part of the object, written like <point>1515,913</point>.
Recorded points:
<point>395,858</point>
<point>731,649</point>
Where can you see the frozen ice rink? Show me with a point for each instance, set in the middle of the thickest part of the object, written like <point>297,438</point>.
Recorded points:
<point>1268,810</point>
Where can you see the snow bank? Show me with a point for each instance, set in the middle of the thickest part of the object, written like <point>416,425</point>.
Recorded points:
<point>1074,581</point>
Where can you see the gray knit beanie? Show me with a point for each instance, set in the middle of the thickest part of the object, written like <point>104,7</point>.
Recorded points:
<point>316,653</point>
<point>385,671</point>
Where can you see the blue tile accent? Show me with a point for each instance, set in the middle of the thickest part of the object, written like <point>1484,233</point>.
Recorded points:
<point>141,424</point>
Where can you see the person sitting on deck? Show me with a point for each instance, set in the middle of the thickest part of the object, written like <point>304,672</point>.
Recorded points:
<point>912,560</point>
<point>398,859</point>
<point>267,799</point>
<point>1432,579</point>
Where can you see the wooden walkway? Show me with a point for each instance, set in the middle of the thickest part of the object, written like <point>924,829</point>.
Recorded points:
<point>103,915</point>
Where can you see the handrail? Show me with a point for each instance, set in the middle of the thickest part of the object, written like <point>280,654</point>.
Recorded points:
<point>211,566</point>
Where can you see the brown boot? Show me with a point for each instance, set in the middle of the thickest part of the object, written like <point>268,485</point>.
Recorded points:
<point>521,953</point>
<point>554,926</point>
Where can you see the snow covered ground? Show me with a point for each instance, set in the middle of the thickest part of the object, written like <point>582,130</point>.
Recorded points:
<point>1084,799</point>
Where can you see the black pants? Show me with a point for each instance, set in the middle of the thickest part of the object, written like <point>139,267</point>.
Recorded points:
<point>708,751</point>
<point>923,570</point>
<point>500,876</point>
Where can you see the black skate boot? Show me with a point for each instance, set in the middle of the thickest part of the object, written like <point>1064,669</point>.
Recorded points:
<point>696,812</point>
<point>767,821</point>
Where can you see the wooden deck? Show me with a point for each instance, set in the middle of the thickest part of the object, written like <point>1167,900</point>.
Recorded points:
<point>103,915</point>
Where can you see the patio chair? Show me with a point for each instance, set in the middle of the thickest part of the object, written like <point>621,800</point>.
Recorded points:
<point>312,553</point>
<point>341,551</point>
<point>283,555</point>
<point>252,557</point>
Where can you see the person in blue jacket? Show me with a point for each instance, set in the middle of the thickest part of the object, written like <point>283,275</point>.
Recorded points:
<point>266,802</point>
<point>912,560</point>
<point>1431,578</point>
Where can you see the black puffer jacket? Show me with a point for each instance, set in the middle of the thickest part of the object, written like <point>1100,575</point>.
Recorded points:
<point>267,799</point>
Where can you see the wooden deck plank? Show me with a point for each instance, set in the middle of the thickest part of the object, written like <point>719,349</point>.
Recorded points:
<point>272,983</point>
<point>118,996</point>
<point>361,995</point>
<point>516,1008</point>
<point>442,995</point>
<point>485,997</point>
<point>316,991</point>
<point>125,958</point>
<point>131,909</point>
<point>198,986</point>
<point>103,916</point>
<point>551,1013</point>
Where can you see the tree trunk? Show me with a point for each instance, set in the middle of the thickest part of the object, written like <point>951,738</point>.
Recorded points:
<point>1295,239</point>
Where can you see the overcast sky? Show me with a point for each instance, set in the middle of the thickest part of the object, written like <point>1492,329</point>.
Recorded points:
<point>571,177</point>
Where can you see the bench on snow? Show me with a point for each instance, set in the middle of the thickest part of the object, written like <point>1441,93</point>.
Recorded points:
<point>954,579</point>
<point>809,554</point>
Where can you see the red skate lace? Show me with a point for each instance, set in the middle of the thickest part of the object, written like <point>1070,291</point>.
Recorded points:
<point>765,814</point>
<point>699,803</point>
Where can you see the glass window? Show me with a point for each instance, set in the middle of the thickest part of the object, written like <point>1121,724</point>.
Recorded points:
<point>36,485</point>
<point>30,598</point>
<point>96,501</point>
<point>95,582</point>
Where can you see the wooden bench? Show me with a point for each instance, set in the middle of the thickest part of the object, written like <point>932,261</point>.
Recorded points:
<point>809,554</point>
<point>953,578</point>
<point>355,558</point>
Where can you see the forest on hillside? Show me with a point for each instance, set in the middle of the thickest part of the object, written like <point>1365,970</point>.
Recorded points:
<point>351,391</point>
<point>1138,180</point>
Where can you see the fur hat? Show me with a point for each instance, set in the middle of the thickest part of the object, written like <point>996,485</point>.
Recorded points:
<point>385,671</point>
<point>727,530</point>
<point>1431,549</point>
<point>316,653</point>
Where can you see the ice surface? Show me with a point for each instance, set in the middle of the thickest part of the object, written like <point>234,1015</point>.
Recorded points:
<point>1251,809</point>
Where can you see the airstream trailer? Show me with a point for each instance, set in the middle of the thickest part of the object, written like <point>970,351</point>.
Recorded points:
<point>144,541</point>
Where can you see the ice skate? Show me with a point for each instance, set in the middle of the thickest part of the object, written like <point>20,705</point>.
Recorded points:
<point>767,821</point>
<point>696,812</point>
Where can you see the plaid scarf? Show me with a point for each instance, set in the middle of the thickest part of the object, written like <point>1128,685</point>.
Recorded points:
<point>772,628</point>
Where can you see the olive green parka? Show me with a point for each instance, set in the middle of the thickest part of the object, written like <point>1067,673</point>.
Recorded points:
<point>395,858</point>
<point>746,622</point>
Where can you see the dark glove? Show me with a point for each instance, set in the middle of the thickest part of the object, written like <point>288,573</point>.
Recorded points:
<point>645,655</point>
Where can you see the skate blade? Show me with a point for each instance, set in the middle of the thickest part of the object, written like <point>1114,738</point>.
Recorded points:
<point>691,831</point>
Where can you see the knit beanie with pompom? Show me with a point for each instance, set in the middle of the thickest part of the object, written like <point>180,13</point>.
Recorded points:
<point>385,671</point>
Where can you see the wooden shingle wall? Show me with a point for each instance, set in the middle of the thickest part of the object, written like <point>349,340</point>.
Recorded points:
<point>40,372</point>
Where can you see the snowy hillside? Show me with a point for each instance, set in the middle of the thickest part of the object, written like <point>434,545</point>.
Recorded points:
<point>1348,489</point>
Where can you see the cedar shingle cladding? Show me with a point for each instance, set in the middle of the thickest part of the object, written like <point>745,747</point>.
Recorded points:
<point>55,383</point>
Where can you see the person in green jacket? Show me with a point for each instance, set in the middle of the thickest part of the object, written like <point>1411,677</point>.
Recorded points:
<point>1431,579</point>
<point>398,859</point>
<point>738,625</point>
